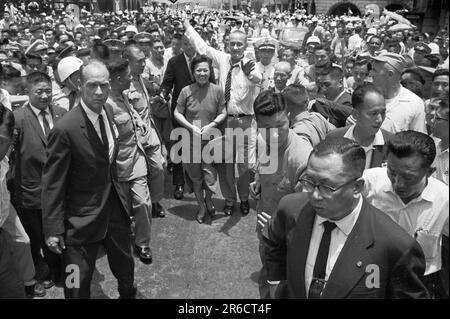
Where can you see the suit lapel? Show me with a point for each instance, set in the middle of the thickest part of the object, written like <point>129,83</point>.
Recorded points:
<point>186,67</point>
<point>91,134</point>
<point>112,127</point>
<point>353,259</point>
<point>35,123</point>
<point>300,247</point>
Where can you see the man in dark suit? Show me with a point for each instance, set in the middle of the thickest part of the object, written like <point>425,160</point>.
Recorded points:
<point>336,106</point>
<point>83,204</point>
<point>330,243</point>
<point>178,75</point>
<point>369,112</point>
<point>32,125</point>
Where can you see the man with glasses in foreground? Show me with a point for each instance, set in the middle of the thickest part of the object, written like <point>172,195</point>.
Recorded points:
<point>329,243</point>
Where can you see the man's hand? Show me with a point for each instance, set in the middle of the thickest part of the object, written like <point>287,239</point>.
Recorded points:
<point>248,67</point>
<point>207,128</point>
<point>263,219</point>
<point>56,244</point>
<point>255,190</point>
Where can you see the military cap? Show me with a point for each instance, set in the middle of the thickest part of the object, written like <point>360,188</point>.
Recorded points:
<point>114,44</point>
<point>266,44</point>
<point>35,27</point>
<point>421,46</point>
<point>37,46</point>
<point>143,37</point>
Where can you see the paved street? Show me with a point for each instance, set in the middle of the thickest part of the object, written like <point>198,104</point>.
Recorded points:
<point>216,260</point>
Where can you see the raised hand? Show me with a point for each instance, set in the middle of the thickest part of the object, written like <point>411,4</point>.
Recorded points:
<point>248,67</point>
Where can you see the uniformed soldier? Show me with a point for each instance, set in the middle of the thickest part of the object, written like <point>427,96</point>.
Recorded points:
<point>144,41</point>
<point>115,47</point>
<point>139,98</point>
<point>266,50</point>
<point>68,72</point>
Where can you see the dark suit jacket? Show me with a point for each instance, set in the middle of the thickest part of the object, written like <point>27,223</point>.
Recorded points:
<point>379,153</point>
<point>78,179</point>
<point>374,240</point>
<point>29,156</point>
<point>177,76</point>
<point>335,112</point>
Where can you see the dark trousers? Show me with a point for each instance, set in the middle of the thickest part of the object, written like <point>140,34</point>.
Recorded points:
<point>32,222</point>
<point>117,244</point>
<point>11,283</point>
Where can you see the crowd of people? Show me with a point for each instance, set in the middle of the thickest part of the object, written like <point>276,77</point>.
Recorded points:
<point>341,139</point>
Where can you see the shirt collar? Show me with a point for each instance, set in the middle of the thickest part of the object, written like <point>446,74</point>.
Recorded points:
<point>347,223</point>
<point>427,193</point>
<point>36,111</point>
<point>92,116</point>
<point>377,141</point>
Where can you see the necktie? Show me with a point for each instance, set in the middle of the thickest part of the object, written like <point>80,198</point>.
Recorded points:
<point>228,83</point>
<point>320,266</point>
<point>45,122</point>
<point>103,133</point>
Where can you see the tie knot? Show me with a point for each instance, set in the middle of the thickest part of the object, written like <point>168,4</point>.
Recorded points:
<point>43,112</point>
<point>329,226</point>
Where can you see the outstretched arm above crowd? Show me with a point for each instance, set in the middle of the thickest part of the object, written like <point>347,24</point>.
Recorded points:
<point>202,47</point>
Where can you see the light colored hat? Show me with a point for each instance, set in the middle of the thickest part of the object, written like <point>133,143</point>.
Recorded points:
<point>434,48</point>
<point>395,60</point>
<point>131,28</point>
<point>372,31</point>
<point>67,66</point>
<point>313,39</point>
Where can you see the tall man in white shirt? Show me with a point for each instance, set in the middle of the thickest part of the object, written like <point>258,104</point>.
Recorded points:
<point>407,193</point>
<point>239,79</point>
<point>404,110</point>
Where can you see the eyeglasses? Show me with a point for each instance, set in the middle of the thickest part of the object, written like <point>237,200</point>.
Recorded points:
<point>310,186</point>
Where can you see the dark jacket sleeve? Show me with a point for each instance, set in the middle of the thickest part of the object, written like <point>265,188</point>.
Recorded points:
<point>54,181</point>
<point>274,237</point>
<point>406,280</point>
<point>169,78</point>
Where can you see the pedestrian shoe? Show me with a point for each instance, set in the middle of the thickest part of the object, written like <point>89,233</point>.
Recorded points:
<point>201,215</point>
<point>36,290</point>
<point>47,284</point>
<point>144,253</point>
<point>211,211</point>
<point>245,207</point>
<point>178,193</point>
<point>158,210</point>
<point>228,210</point>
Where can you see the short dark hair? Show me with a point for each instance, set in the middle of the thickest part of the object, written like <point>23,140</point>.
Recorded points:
<point>7,118</point>
<point>8,72</point>
<point>37,77</point>
<point>292,93</point>
<point>269,103</point>
<point>335,72</point>
<point>414,86</point>
<point>433,60</point>
<point>360,93</point>
<point>353,155</point>
<point>408,143</point>
<point>177,36</point>
<point>440,72</point>
<point>100,51</point>
<point>117,67</point>
<point>200,59</point>
<point>416,73</point>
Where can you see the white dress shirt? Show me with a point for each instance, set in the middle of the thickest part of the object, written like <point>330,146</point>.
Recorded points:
<point>405,112</point>
<point>95,120</point>
<point>441,163</point>
<point>339,236</point>
<point>48,116</point>
<point>377,141</point>
<point>424,218</point>
<point>243,89</point>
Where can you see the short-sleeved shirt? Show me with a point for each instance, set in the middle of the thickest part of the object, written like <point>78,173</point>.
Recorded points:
<point>202,104</point>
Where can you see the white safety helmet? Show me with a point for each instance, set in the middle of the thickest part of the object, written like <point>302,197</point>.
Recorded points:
<point>68,66</point>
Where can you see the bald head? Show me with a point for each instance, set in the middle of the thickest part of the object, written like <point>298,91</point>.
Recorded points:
<point>92,69</point>
<point>95,85</point>
<point>283,66</point>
